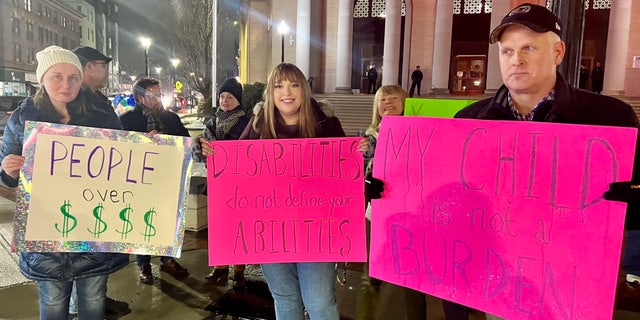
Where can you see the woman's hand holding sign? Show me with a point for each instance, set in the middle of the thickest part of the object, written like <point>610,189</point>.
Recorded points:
<point>11,164</point>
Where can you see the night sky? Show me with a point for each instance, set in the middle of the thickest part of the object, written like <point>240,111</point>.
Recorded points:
<point>148,18</point>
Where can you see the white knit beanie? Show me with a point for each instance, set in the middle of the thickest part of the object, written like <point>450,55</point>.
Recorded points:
<point>52,55</point>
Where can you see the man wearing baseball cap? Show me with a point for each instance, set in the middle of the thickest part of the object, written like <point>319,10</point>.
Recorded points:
<point>95,69</point>
<point>530,49</point>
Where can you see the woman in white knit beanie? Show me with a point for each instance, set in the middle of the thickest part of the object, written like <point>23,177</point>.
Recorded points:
<point>59,100</point>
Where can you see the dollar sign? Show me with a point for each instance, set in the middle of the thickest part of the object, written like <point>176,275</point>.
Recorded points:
<point>148,219</point>
<point>100,226</point>
<point>126,224</point>
<point>65,223</point>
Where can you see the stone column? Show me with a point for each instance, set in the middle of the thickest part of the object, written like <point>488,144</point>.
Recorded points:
<point>442,47</point>
<point>494,79</point>
<point>345,43</point>
<point>391,56</point>
<point>617,46</point>
<point>303,36</point>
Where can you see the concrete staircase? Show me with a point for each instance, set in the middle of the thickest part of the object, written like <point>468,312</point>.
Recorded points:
<point>634,102</point>
<point>353,110</point>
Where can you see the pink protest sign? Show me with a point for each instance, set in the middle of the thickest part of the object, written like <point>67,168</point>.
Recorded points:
<point>505,217</point>
<point>293,200</point>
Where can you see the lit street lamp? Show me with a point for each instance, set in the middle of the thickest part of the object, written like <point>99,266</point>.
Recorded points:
<point>283,29</point>
<point>175,62</point>
<point>158,70</point>
<point>146,43</point>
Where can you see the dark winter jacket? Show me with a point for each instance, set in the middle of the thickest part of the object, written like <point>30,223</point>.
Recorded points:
<point>60,266</point>
<point>327,125</point>
<point>573,106</point>
<point>135,120</point>
<point>416,76</point>
<point>209,133</point>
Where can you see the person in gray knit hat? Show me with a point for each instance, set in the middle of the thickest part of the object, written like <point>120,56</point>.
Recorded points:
<point>58,100</point>
<point>229,122</point>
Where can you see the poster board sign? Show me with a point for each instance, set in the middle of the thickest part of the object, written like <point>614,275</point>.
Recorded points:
<point>86,189</point>
<point>502,216</point>
<point>286,200</point>
<point>441,108</point>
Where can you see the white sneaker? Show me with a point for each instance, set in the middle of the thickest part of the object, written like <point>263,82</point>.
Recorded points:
<point>633,279</point>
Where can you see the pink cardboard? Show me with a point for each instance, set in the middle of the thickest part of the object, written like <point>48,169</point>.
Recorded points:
<point>293,200</point>
<point>502,216</point>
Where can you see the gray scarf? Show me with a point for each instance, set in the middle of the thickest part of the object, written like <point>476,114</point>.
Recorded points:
<point>225,120</point>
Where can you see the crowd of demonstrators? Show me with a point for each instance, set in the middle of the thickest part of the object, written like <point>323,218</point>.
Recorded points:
<point>388,101</point>
<point>150,116</point>
<point>228,124</point>
<point>60,100</point>
<point>530,49</point>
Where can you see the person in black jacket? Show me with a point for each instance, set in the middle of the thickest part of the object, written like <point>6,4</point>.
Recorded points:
<point>597,78</point>
<point>416,80</point>
<point>95,73</point>
<point>150,116</point>
<point>372,76</point>
<point>227,124</point>
<point>530,49</point>
<point>60,99</point>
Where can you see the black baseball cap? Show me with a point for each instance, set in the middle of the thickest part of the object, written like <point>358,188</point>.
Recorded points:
<point>90,54</point>
<point>534,17</point>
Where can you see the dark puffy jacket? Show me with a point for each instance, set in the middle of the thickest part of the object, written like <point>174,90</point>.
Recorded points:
<point>209,133</point>
<point>60,266</point>
<point>328,126</point>
<point>572,106</point>
<point>135,120</point>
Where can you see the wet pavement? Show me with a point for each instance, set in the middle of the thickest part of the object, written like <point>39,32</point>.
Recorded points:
<point>194,298</point>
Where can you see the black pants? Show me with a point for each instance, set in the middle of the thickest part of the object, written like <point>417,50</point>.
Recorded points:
<point>372,85</point>
<point>413,87</point>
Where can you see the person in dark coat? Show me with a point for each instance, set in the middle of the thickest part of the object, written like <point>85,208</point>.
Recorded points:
<point>227,124</point>
<point>59,100</point>
<point>584,77</point>
<point>530,50</point>
<point>597,78</point>
<point>372,76</point>
<point>95,74</point>
<point>416,80</point>
<point>150,116</point>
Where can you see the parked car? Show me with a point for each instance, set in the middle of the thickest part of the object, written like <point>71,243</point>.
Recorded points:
<point>7,105</point>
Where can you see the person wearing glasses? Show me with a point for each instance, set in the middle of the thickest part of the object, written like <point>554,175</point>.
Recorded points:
<point>150,116</point>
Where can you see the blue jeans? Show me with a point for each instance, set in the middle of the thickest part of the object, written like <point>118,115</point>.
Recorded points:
<point>631,259</point>
<point>299,286</point>
<point>55,296</point>
<point>73,301</point>
<point>143,260</point>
